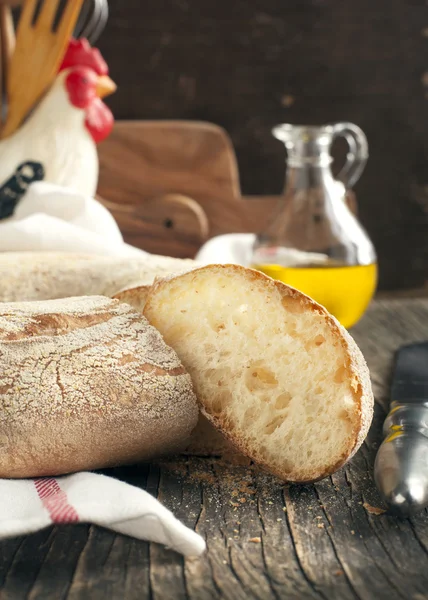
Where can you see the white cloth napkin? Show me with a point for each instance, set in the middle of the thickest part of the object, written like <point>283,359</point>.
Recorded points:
<point>29,505</point>
<point>237,248</point>
<point>51,218</point>
<point>231,248</point>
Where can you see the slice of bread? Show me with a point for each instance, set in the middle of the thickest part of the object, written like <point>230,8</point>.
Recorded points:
<point>272,369</point>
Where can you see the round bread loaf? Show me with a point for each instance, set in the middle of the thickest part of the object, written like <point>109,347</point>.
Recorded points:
<point>26,276</point>
<point>86,383</point>
<point>272,369</point>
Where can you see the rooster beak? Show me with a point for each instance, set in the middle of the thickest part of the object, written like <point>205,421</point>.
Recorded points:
<point>105,86</point>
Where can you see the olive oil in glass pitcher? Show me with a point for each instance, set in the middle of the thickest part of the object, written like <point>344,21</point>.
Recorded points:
<point>314,242</point>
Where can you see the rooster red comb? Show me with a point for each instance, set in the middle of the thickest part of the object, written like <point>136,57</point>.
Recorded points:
<point>80,53</point>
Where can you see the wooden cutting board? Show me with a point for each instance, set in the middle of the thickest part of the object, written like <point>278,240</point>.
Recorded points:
<point>171,185</point>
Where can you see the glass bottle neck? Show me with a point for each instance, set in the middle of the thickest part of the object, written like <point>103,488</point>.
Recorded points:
<point>308,174</point>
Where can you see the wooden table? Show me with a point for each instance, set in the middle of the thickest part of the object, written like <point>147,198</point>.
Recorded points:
<point>265,540</point>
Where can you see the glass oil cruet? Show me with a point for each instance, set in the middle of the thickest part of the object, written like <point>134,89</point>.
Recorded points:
<point>314,242</point>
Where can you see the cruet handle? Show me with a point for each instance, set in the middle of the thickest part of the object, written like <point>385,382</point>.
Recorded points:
<point>358,152</point>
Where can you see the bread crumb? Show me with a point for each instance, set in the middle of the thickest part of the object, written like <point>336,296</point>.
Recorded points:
<point>320,525</point>
<point>246,489</point>
<point>373,510</point>
<point>255,540</point>
<point>242,500</point>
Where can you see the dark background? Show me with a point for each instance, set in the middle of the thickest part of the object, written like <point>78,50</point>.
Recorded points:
<point>247,65</point>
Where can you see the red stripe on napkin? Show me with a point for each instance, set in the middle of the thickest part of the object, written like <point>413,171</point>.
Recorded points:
<point>55,500</point>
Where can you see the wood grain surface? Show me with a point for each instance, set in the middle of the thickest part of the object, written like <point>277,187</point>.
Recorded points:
<point>265,540</point>
<point>172,184</point>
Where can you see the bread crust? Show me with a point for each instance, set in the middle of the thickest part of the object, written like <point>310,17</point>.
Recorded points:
<point>356,370</point>
<point>31,276</point>
<point>87,383</point>
<point>135,296</point>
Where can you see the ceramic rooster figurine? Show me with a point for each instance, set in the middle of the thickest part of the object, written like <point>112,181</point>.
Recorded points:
<point>62,132</point>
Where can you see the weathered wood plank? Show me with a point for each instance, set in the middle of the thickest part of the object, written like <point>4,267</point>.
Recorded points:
<point>27,560</point>
<point>387,325</point>
<point>56,572</point>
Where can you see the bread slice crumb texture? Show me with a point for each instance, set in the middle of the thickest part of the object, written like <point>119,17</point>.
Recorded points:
<point>271,368</point>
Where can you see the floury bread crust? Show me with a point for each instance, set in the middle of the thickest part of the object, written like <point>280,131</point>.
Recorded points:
<point>135,296</point>
<point>86,383</point>
<point>27,276</point>
<point>272,369</point>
